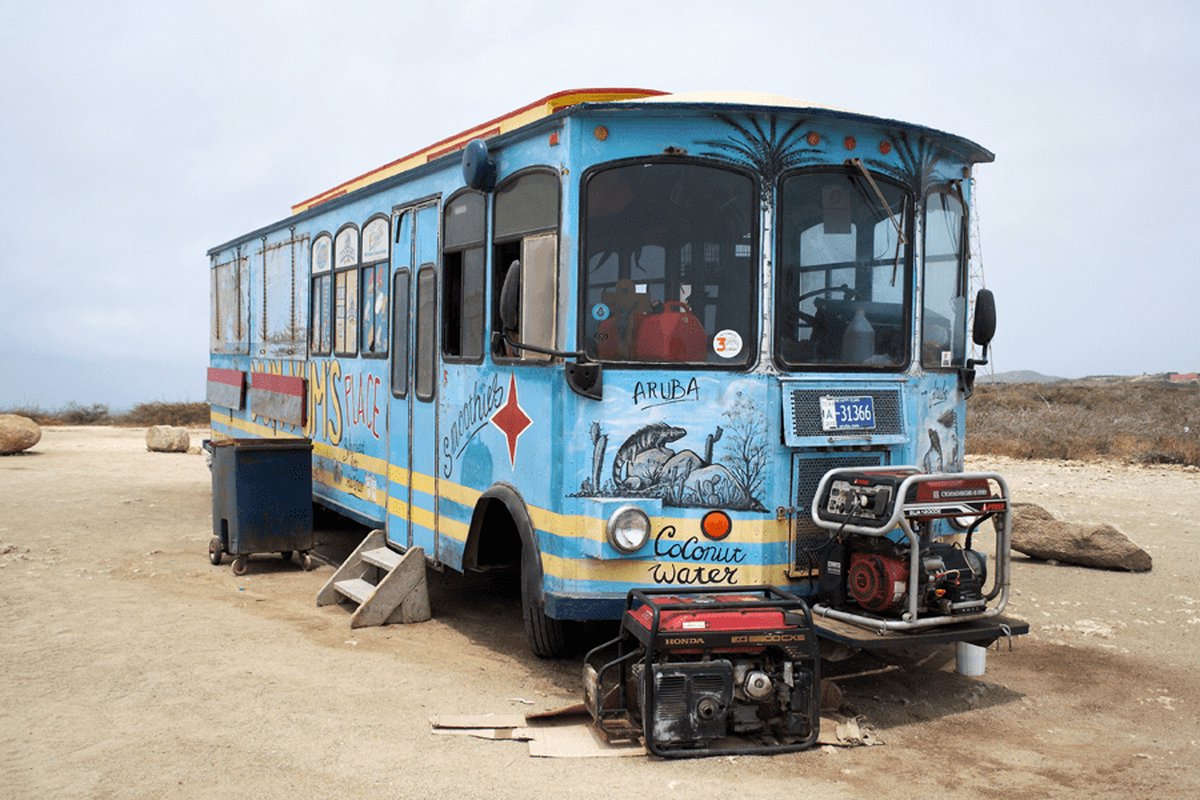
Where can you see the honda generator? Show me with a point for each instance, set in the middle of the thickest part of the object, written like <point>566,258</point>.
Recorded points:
<point>708,672</point>
<point>891,565</point>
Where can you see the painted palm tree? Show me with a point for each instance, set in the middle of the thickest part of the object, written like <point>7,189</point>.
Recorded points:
<point>764,147</point>
<point>918,161</point>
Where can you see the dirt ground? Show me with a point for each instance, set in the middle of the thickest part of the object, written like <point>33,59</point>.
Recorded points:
<point>130,667</point>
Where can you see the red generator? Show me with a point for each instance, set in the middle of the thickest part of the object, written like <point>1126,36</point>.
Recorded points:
<point>709,672</point>
<point>673,334</point>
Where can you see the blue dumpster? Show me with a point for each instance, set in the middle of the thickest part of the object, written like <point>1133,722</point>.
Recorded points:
<point>262,500</point>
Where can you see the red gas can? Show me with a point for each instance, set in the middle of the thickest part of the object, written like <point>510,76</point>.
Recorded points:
<point>674,334</point>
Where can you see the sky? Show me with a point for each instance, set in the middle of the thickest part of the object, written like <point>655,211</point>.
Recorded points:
<point>135,136</point>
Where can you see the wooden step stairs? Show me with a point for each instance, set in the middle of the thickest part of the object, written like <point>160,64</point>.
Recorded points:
<point>388,587</point>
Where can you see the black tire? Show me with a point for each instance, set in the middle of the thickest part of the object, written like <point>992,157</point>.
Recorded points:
<point>286,555</point>
<point>240,564</point>
<point>547,636</point>
<point>306,562</point>
<point>215,551</point>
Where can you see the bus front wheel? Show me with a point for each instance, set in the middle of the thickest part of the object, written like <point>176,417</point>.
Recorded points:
<point>547,636</point>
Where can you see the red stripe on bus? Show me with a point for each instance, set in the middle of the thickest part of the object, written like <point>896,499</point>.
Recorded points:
<point>232,377</point>
<point>461,145</point>
<point>281,384</point>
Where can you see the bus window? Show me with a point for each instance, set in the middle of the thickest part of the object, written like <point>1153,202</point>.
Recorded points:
<point>400,333</point>
<point>669,264</point>
<point>319,321</point>
<point>230,305</point>
<point>462,277</point>
<point>525,231</point>
<point>844,284</point>
<point>426,366</point>
<point>345,292</point>
<point>944,295</point>
<point>374,287</point>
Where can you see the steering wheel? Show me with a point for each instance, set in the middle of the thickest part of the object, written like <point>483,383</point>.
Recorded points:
<point>847,293</point>
<point>803,319</point>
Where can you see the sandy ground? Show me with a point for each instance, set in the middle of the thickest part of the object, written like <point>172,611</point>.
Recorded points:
<point>130,667</point>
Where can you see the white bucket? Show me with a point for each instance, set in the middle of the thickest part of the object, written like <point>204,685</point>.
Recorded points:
<point>970,659</point>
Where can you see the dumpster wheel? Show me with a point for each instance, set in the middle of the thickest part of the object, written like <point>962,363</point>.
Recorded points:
<point>286,555</point>
<point>306,561</point>
<point>215,551</point>
<point>239,565</point>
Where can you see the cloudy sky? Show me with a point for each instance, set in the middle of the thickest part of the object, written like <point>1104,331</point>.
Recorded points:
<point>137,135</point>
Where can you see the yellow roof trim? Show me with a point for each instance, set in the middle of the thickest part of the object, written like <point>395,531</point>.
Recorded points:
<point>539,109</point>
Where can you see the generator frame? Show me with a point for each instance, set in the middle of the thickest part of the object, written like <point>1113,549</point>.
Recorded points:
<point>904,514</point>
<point>638,642</point>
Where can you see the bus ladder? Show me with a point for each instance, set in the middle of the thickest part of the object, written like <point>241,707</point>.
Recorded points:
<point>387,587</point>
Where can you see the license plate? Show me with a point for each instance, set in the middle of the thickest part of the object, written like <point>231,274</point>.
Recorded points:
<point>848,413</point>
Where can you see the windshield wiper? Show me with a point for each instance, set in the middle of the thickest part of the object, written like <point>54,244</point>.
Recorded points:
<point>883,203</point>
<point>901,239</point>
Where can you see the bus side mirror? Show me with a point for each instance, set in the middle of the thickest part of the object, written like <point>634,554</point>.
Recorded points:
<point>985,318</point>
<point>479,170</point>
<point>585,379</point>
<point>510,298</point>
<point>982,332</point>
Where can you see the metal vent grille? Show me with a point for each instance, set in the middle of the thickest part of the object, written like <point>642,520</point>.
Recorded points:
<point>807,471</point>
<point>806,411</point>
<point>671,697</point>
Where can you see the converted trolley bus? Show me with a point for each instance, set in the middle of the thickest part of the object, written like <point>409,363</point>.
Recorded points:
<point>613,339</point>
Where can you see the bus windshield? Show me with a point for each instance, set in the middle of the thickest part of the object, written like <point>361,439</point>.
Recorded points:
<point>844,289</point>
<point>670,254</point>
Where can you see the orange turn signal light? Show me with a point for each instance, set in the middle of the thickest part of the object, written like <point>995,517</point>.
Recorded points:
<point>716,525</point>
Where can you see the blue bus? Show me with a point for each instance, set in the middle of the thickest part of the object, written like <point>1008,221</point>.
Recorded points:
<point>613,339</point>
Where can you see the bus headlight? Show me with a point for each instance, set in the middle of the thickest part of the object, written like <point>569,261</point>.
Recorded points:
<point>628,528</point>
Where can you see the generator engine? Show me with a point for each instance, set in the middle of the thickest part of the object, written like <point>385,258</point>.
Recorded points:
<point>709,672</point>
<point>876,576</point>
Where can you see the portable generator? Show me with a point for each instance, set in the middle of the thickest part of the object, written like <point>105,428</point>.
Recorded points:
<point>707,672</point>
<point>888,565</point>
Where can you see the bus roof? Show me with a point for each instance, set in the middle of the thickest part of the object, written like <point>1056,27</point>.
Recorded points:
<point>626,97</point>
<point>538,109</point>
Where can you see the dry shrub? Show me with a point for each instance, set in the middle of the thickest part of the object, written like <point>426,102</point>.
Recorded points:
<point>34,413</point>
<point>71,414</point>
<point>142,415</point>
<point>160,413</point>
<point>1146,422</point>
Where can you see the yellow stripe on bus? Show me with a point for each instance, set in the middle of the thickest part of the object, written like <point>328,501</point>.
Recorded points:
<point>625,571</point>
<point>572,526</point>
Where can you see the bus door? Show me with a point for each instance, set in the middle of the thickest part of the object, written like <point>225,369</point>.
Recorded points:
<point>412,417</point>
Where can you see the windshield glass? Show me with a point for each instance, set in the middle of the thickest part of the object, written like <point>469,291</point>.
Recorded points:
<point>669,264</point>
<point>843,293</point>
<point>944,305</point>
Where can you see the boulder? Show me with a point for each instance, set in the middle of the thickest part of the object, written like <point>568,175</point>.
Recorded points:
<point>17,434</point>
<point>1035,532</point>
<point>714,486</point>
<point>167,439</point>
<point>644,468</point>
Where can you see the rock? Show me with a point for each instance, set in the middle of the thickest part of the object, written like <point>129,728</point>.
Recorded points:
<point>167,439</point>
<point>679,467</point>
<point>17,434</point>
<point>1037,533</point>
<point>714,486</point>
<point>645,467</point>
